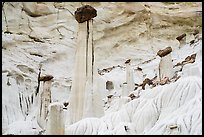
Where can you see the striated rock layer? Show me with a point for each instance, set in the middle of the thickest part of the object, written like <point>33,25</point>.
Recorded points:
<point>40,38</point>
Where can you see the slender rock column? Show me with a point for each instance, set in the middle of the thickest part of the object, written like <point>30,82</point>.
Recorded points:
<point>84,62</point>
<point>165,65</point>
<point>129,76</point>
<point>44,100</point>
<point>55,123</point>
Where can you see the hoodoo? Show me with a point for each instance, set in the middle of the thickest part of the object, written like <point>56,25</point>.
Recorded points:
<point>44,100</point>
<point>165,65</point>
<point>82,87</point>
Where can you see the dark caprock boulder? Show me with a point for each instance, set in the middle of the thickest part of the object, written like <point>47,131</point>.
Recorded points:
<point>127,61</point>
<point>164,52</point>
<point>179,38</point>
<point>85,13</point>
<point>46,78</point>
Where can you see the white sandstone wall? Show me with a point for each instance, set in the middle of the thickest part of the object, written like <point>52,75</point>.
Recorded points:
<point>46,33</point>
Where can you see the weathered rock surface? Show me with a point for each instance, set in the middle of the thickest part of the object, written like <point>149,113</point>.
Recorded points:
<point>45,33</point>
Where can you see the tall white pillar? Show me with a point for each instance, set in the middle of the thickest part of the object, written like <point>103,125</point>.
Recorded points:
<point>83,93</point>
<point>44,100</point>
<point>165,65</point>
<point>129,77</point>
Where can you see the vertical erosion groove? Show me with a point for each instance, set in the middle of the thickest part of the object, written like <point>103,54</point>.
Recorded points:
<point>29,100</point>
<point>26,104</point>
<point>32,98</point>
<point>159,71</point>
<point>19,95</point>
<point>92,49</point>
<point>41,103</point>
<point>37,90</point>
<point>7,114</point>
<point>50,97</point>
<point>87,44</point>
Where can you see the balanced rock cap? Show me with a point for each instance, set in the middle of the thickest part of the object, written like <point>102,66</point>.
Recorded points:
<point>179,38</point>
<point>164,52</point>
<point>85,13</point>
<point>46,78</point>
<point>127,61</point>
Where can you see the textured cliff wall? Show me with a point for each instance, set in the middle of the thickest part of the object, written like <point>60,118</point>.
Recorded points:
<point>45,33</point>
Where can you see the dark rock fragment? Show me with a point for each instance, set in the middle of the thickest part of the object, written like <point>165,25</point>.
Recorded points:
<point>164,52</point>
<point>46,78</point>
<point>85,13</point>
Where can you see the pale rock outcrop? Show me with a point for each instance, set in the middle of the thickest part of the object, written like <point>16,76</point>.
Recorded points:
<point>129,77</point>
<point>55,124</point>
<point>165,65</point>
<point>35,9</point>
<point>44,98</point>
<point>135,30</point>
<point>82,88</point>
<point>82,72</point>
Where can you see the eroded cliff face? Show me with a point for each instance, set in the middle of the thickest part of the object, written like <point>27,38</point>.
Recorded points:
<point>45,33</point>
<point>118,26</point>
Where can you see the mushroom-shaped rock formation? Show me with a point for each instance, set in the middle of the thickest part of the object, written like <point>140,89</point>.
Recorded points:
<point>44,100</point>
<point>165,65</point>
<point>84,99</point>
<point>85,13</point>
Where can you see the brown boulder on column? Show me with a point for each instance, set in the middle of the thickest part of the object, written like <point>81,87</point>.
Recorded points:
<point>85,13</point>
<point>46,78</point>
<point>179,38</point>
<point>164,52</point>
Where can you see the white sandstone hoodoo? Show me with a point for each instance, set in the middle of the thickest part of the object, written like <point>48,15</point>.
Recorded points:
<point>56,122</point>
<point>165,65</point>
<point>129,77</point>
<point>82,87</point>
<point>44,100</point>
